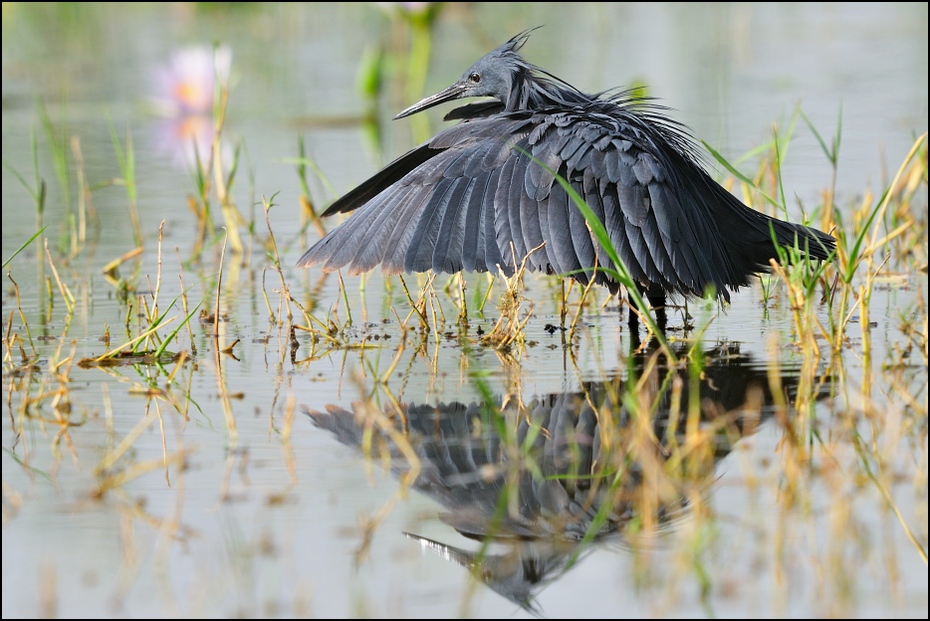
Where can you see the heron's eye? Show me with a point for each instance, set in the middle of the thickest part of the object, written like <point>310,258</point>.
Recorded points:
<point>475,78</point>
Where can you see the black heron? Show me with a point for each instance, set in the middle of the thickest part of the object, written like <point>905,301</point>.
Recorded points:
<point>481,195</point>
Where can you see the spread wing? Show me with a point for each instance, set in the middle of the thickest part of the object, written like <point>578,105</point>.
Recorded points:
<point>483,195</point>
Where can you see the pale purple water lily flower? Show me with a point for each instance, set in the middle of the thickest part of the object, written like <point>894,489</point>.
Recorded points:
<point>187,84</point>
<point>186,87</point>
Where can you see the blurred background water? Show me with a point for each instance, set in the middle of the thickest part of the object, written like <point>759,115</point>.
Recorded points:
<point>279,518</point>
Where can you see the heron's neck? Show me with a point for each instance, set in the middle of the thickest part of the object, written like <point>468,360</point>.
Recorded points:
<point>531,92</point>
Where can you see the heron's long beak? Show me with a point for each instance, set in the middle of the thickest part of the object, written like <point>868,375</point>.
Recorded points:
<point>453,92</point>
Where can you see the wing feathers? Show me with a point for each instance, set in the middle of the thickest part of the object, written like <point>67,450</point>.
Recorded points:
<point>484,191</point>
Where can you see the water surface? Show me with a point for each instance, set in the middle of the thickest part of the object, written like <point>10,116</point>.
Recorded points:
<point>241,483</point>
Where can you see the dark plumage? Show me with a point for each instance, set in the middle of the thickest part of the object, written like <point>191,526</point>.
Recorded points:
<point>460,200</point>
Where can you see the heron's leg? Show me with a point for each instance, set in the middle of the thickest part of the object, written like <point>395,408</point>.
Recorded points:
<point>633,321</point>
<point>656,297</point>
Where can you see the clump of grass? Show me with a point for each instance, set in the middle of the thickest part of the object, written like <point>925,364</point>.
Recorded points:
<point>860,251</point>
<point>509,329</point>
<point>864,238</point>
<point>327,334</point>
<point>148,346</point>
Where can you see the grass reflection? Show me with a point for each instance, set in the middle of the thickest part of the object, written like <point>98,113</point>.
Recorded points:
<point>626,457</point>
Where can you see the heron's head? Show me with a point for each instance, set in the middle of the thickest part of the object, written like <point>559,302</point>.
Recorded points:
<point>495,74</point>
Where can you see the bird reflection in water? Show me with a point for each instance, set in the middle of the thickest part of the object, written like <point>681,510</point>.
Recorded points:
<point>548,476</point>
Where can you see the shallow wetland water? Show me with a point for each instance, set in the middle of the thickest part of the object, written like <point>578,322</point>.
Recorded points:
<point>192,427</point>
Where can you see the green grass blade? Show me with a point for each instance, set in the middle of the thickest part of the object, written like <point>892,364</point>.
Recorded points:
<point>21,248</point>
